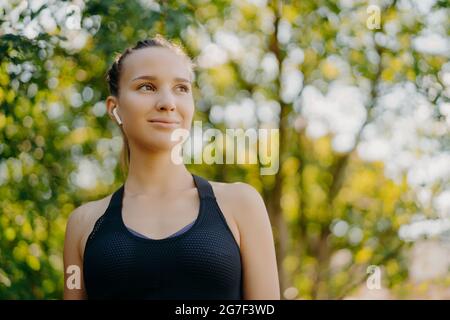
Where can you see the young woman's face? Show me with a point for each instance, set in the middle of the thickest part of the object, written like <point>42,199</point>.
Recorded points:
<point>155,97</point>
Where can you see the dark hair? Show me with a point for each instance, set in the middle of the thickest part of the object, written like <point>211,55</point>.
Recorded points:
<point>113,76</point>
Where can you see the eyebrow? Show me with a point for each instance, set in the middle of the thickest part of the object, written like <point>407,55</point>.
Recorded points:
<point>155,78</point>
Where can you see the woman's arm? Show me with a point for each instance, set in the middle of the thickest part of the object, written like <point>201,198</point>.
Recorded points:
<point>260,273</point>
<point>73,263</point>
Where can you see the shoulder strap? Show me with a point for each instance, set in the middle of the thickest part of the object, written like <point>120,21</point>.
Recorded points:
<point>116,198</point>
<point>204,187</point>
<point>114,202</point>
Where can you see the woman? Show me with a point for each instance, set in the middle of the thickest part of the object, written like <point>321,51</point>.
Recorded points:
<point>126,245</point>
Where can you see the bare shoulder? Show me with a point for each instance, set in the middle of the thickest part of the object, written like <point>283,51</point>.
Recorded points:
<point>241,204</point>
<point>88,211</point>
<point>81,221</point>
<point>241,194</point>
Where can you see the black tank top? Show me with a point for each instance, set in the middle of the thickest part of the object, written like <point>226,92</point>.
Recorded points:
<point>202,263</point>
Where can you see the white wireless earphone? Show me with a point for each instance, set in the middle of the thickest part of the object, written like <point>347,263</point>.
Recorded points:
<point>114,111</point>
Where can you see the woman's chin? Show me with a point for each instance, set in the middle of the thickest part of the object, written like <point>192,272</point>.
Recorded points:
<point>163,144</point>
<point>157,140</point>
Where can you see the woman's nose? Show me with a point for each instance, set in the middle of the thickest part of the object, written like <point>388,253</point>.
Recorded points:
<point>166,102</point>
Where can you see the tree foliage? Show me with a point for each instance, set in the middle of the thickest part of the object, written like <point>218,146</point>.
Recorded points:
<point>333,212</point>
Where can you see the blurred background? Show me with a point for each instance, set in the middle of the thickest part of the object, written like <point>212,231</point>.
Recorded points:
<point>360,206</point>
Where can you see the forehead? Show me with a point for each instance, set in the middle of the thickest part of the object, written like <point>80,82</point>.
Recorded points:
<point>155,61</point>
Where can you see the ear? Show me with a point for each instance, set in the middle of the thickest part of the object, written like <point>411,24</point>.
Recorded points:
<point>111,103</point>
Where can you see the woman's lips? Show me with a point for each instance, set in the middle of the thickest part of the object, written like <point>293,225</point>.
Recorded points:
<point>164,124</point>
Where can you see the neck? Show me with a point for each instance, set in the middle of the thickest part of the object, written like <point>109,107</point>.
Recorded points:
<point>153,173</point>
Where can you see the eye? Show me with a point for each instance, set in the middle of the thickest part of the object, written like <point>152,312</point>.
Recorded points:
<point>147,85</point>
<point>183,88</point>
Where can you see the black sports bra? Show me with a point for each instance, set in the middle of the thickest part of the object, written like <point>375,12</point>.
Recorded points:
<point>203,262</point>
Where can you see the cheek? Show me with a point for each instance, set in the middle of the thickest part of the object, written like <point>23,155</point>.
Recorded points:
<point>133,98</point>
<point>134,105</point>
<point>188,114</point>
<point>185,106</point>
